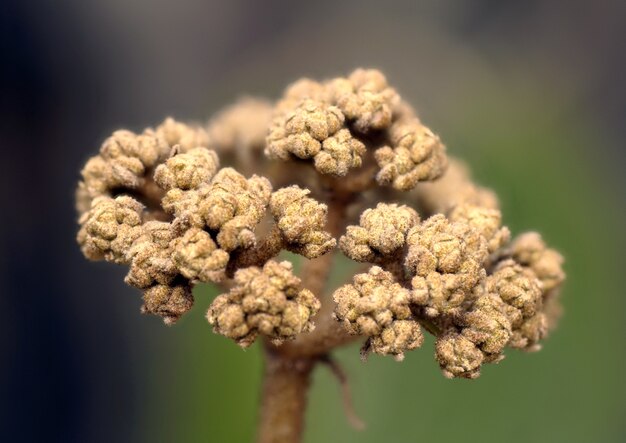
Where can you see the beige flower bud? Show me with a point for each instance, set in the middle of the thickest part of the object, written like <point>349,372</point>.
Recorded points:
<point>377,307</point>
<point>151,256</point>
<point>530,250</point>
<point>189,170</point>
<point>148,147</point>
<point>313,129</point>
<point>416,155</point>
<point>484,220</point>
<point>197,257</point>
<point>458,356</point>
<point>517,286</point>
<point>186,137</point>
<point>301,220</point>
<point>365,98</point>
<point>446,260</point>
<point>267,301</point>
<point>487,325</point>
<point>169,302</point>
<point>382,232</point>
<point>109,228</point>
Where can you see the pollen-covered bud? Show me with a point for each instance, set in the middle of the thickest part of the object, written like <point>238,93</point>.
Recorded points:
<point>446,261</point>
<point>314,130</point>
<point>517,286</point>
<point>241,126</point>
<point>532,330</point>
<point>151,256</point>
<point>301,131</point>
<point>381,232</point>
<point>416,155</point>
<point>487,325</point>
<point>458,356</point>
<point>267,301</point>
<point>301,220</point>
<point>185,205</point>
<point>234,206</point>
<point>186,137</point>
<point>197,257</point>
<point>365,98</point>
<point>100,175</point>
<point>339,153</point>
<point>378,307</point>
<point>169,302</point>
<point>122,163</point>
<point>187,170</point>
<point>123,146</point>
<point>530,250</point>
<point>109,228</point>
<point>484,220</point>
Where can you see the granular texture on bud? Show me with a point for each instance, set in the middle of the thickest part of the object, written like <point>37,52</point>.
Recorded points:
<point>314,130</point>
<point>381,232</point>
<point>484,220</point>
<point>267,301</point>
<point>301,220</point>
<point>197,257</point>
<point>376,306</point>
<point>366,98</point>
<point>416,154</point>
<point>185,136</point>
<point>188,170</point>
<point>530,250</point>
<point>446,260</point>
<point>517,286</point>
<point>487,326</point>
<point>109,228</point>
<point>458,356</point>
<point>234,205</point>
<point>336,122</point>
<point>169,302</point>
<point>151,256</point>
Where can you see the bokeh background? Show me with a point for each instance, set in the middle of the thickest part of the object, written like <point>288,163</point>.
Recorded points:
<point>530,93</point>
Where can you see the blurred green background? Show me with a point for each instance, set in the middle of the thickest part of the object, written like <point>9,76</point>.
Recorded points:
<point>527,93</point>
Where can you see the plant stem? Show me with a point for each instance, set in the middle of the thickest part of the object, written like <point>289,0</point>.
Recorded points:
<point>283,398</point>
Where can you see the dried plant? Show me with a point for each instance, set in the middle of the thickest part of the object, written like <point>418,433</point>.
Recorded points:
<point>343,166</point>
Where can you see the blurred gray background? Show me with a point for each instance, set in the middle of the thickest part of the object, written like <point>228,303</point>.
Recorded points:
<point>530,93</point>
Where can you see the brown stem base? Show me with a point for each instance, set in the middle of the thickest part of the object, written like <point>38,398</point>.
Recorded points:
<point>283,398</point>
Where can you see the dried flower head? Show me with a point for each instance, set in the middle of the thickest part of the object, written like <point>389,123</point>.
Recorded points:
<point>344,161</point>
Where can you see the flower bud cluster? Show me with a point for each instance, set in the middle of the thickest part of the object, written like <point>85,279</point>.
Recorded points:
<point>301,221</point>
<point>464,281</point>
<point>181,219</point>
<point>161,203</point>
<point>381,232</point>
<point>266,301</point>
<point>333,123</point>
<point>377,307</point>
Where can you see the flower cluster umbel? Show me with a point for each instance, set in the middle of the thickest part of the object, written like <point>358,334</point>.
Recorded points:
<point>341,166</point>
